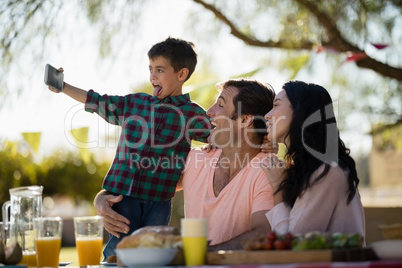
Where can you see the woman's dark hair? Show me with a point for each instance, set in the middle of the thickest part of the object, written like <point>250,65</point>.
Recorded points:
<point>254,98</point>
<point>180,53</point>
<point>314,140</point>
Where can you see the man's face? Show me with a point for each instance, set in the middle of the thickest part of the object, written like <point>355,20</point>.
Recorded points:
<point>165,81</point>
<point>226,129</point>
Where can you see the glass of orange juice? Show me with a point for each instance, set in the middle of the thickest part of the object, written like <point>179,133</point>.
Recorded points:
<point>88,239</point>
<point>48,232</point>
<point>194,234</point>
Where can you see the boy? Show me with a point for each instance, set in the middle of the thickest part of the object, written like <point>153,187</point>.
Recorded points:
<point>155,138</point>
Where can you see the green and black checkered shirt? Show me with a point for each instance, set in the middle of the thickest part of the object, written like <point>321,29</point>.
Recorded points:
<point>154,142</point>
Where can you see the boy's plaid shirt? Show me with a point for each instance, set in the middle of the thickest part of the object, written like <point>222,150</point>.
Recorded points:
<point>154,142</point>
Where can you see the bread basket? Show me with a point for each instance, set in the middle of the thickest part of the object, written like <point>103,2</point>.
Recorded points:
<point>391,231</point>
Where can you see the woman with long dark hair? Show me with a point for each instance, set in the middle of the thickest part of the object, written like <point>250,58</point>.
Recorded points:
<point>315,188</point>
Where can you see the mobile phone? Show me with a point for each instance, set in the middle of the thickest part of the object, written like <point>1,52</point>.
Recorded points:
<point>54,78</point>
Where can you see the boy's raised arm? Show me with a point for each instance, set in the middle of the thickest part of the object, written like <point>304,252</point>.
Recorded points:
<point>76,93</point>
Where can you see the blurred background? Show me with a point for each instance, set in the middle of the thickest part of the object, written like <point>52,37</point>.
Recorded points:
<point>352,48</point>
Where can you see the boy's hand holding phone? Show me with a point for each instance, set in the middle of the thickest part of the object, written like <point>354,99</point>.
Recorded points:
<point>54,78</point>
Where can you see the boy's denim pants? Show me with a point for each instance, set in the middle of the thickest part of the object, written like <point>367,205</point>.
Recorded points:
<point>140,213</point>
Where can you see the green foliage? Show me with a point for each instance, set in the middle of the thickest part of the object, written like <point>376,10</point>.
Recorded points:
<point>65,173</point>
<point>296,63</point>
<point>387,137</point>
<point>62,173</point>
<point>15,169</point>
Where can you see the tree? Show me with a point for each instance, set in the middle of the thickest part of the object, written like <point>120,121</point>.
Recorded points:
<point>362,32</point>
<point>340,25</point>
<point>360,41</point>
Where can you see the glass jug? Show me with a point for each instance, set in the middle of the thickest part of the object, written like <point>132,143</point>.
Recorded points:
<point>25,204</point>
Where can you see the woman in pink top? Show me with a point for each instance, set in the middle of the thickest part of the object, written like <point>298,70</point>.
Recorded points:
<point>316,187</point>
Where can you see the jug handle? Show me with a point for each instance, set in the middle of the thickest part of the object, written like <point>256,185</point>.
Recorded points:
<point>6,205</point>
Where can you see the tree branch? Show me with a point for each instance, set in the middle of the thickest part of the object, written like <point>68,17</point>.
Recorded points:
<point>381,68</point>
<point>339,43</point>
<point>335,40</point>
<point>251,40</point>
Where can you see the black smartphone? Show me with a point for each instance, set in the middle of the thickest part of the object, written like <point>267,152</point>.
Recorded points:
<point>53,77</point>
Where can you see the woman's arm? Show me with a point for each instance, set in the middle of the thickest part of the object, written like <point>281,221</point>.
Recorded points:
<point>259,226</point>
<point>314,209</point>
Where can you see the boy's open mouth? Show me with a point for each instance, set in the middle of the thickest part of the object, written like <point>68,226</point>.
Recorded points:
<point>157,90</point>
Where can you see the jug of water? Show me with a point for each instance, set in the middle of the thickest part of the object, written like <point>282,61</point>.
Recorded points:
<point>25,204</point>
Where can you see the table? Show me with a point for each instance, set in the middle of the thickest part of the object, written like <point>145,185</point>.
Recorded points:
<point>364,264</point>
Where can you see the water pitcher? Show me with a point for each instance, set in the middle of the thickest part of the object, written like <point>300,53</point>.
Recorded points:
<point>25,204</point>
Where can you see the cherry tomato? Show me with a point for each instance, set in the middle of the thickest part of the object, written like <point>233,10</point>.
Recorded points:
<point>268,245</point>
<point>272,236</point>
<point>289,236</point>
<point>279,244</point>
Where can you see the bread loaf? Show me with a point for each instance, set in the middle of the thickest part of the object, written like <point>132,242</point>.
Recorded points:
<point>152,237</point>
<point>162,229</point>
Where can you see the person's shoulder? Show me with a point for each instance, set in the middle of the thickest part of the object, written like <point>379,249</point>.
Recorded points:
<point>195,106</point>
<point>334,170</point>
<point>336,176</point>
<point>197,154</point>
<point>138,98</point>
<point>139,95</point>
<point>195,113</point>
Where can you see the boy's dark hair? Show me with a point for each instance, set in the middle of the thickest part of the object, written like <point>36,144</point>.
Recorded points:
<point>254,98</point>
<point>180,53</point>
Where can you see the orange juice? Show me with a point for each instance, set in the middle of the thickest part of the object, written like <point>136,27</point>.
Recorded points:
<point>29,259</point>
<point>195,250</point>
<point>47,251</point>
<point>89,250</point>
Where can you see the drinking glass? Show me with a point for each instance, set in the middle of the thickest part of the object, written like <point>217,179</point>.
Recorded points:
<point>48,233</point>
<point>194,234</point>
<point>88,232</point>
